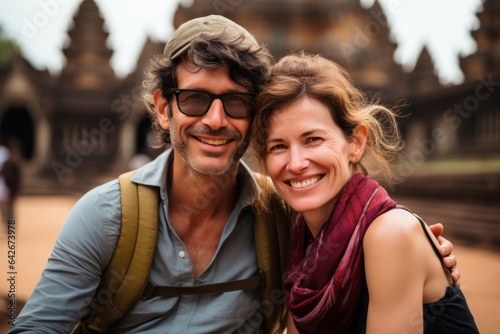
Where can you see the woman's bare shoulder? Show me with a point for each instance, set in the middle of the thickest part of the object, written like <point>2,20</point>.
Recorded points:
<point>394,223</point>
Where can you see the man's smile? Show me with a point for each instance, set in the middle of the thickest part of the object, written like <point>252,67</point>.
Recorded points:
<point>213,142</point>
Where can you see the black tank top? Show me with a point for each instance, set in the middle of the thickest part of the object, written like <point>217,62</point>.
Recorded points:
<point>450,314</point>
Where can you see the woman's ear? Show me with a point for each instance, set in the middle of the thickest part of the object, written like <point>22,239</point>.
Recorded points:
<point>358,143</point>
<point>161,107</point>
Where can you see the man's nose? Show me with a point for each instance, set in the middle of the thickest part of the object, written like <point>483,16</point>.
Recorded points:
<point>216,117</point>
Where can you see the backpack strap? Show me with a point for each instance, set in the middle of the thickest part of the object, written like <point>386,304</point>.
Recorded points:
<point>128,271</point>
<point>152,290</point>
<point>272,232</point>
<point>429,238</point>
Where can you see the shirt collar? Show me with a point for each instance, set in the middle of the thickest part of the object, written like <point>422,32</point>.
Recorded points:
<point>152,174</point>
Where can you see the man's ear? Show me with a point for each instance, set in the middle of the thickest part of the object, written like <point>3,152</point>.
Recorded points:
<point>161,107</point>
<point>358,143</point>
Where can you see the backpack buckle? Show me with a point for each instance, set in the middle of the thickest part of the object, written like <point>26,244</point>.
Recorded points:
<point>150,291</point>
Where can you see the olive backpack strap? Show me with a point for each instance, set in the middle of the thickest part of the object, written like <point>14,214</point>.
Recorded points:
<point>128,272</point>
<point>272,232</point>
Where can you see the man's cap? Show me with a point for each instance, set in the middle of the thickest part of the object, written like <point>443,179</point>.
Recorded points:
<point>212,24</point>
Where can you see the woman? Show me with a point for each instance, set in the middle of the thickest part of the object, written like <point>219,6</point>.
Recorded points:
<point>322,143</point>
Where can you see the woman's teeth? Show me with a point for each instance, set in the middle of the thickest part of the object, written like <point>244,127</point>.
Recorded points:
<point>305,183</point>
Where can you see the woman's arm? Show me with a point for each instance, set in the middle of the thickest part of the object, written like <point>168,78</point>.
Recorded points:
<point>395,273</point>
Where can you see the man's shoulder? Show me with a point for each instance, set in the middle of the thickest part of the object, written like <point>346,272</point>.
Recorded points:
<point>106,189</point>
<point>104,198</point>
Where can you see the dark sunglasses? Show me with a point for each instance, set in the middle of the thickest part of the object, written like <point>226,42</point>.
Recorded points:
<point>196,103</point>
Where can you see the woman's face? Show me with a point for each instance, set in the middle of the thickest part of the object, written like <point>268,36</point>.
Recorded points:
<point>308,157</point>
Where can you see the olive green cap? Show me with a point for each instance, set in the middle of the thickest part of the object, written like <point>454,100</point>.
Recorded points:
<point>212,24</point>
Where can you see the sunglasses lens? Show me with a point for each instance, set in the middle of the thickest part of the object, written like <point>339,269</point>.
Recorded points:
<point>193,103</point>
<point>197,103</point>
<point>238,105</point>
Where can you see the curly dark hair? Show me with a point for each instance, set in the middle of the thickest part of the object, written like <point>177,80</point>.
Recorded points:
<point>249,65</point>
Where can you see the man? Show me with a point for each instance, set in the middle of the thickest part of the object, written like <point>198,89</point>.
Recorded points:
<point>200,97</point>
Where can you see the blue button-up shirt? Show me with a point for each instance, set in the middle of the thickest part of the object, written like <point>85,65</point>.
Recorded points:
<point>86,244</point>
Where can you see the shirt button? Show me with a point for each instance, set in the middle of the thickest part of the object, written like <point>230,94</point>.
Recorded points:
<point>182,254</point>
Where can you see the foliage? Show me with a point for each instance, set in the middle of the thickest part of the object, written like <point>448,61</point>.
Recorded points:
<point>8,48</point>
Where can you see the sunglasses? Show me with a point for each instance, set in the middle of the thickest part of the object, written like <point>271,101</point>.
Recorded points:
<point>196,103</point>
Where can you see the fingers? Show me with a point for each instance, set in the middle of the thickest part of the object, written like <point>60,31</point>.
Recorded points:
<point>445,246</point>
<point>437,229</point>
<point>455,275</point>
<point>450,262</point>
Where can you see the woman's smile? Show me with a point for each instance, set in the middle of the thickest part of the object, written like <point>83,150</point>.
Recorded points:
<point>305,183</point>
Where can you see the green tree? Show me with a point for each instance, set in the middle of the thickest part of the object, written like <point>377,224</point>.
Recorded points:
<point>8,48</point>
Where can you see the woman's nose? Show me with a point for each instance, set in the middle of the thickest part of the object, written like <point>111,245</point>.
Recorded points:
<point>297,160</point>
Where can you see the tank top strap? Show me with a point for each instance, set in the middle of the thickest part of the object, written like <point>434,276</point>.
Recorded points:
<point>429,237</point>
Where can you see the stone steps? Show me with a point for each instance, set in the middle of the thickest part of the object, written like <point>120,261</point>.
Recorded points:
<point>75,185</point>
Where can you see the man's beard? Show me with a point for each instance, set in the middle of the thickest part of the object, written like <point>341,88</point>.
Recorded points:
<point>209,169</point>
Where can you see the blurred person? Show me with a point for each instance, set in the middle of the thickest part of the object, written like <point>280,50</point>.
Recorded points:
<point>358,262</point>
<point>139,160</point>
<point>4,190</point>
<point>11,174</point>
<point>200,96</point>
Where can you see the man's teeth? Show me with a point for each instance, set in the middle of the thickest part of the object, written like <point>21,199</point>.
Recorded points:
<point>305,183</point>
<point>215,142</point>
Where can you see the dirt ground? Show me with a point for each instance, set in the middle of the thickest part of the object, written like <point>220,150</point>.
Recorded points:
<point>39,220</point>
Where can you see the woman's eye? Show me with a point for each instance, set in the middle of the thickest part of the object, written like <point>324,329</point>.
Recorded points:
<point>276,147</point>
<point>313,139</point>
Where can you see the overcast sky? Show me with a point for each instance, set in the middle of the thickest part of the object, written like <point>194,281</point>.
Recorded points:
<point>40,28</point>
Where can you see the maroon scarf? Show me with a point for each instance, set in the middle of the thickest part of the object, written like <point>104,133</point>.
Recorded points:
<point>325,279</point>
